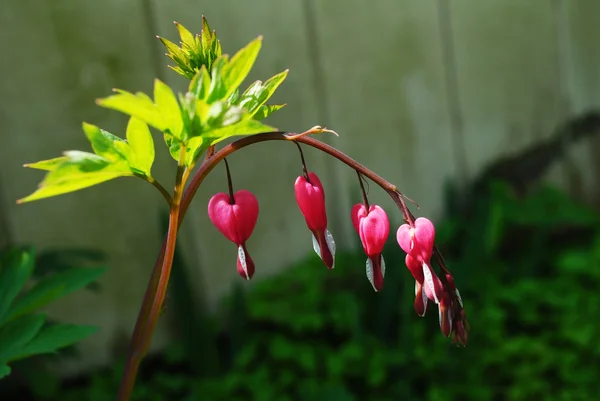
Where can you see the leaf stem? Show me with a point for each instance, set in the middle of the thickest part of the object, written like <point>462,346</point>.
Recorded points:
<point>161,189</point>
<point>156,291</point>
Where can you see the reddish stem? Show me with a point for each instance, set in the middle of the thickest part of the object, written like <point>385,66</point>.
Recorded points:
<point>154,296</point>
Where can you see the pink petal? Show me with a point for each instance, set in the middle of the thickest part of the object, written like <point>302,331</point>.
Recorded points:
<point>236,222</point>
<point>420,300</point>
<point>358,212</point>
<point>311,200</point>
<point>246,213</point>
<point>374,230</point>
<point>424,236</point>
<point>415,268</point>
<point>404,236</point>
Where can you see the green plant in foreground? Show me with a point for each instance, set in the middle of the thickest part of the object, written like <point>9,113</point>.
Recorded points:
<point>212,110</point>
<point>24,332</point>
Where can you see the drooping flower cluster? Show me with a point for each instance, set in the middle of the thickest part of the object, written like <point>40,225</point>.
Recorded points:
<point>235,217</point>
<point>417,240</point>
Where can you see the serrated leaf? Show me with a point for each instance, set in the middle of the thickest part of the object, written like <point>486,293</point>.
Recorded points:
<point>218,89</point>
<point>4,370</point>
<point>221,114</point>
<point>266,110</point>
<point>138,105</point>
<point>107,145</point>
<point>174,146</point>
<point>54,337</point>
<point>16,267</point>
<point>166,102</point>
<point>51,288</point>
<point>17,334</point>
<point>187,38</point>
<point>48,165</point>
<point>194,150</point>
<point>140,140</point>
<point>239,66</point>
<point>200,84</point>
<point>80,170</point>
<point>245,127</point>
<point>258,93</point>
<point>174,51</point>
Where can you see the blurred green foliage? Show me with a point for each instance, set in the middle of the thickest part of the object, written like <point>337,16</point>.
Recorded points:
<point>529,273</point>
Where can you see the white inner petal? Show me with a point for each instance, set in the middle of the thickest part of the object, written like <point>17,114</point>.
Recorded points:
<point>242,258</point>
<point>330,245</point>
<point>425,299</point>
<point>459,298</point>
<point>429,281</point>
<point>370,273</point>
<point>440,314</point>
<point>382,267</point>
<point>316,246</point>
<point>416,288</point>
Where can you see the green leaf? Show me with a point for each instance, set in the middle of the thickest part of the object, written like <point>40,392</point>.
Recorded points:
<point>107,145</point>
<point>53,337</point>
<point>200,84</point>
<point>17,334</point>
<point>51,288</point>
<point>4,370</point>
<point>221,114</point>
<point>141,143</point>
<point>194,150</point>
<point>80,170</point>
<point>166,102</point>
<point>16,267</point>
<point>138,105</point>
<point>266,110</point>
<point>258,93</point>
<point>174,146</point>
<point>186,36</point>
<point>245,127</point>
<point>174,52</point>
<point>241,63</point>
<point>218,88</point>
<point>47,165</point>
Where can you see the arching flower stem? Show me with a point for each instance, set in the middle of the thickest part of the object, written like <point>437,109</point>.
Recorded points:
<point>147,318</point>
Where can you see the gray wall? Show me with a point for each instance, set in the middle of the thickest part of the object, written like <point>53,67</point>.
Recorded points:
<point>420,91</point>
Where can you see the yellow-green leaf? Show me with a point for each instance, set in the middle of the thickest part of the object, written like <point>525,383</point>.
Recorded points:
<point>142,152</point>
<point>138,105</point>
<point>241,63</point>
<point>267,109</point>
<point>244,127</point>
<point>258,93</point>
<point>167,105</point>
<point>47,165</point>
<point>200,84</point>
<point>107,145</point>
<point>80,170</point>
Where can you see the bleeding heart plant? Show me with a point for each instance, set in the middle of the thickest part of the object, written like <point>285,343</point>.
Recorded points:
<point>192,125</point>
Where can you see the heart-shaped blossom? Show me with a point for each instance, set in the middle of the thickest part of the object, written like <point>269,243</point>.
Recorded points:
<point>418,241</point>
<point>311,200</point>
<point>373,228</point>
<point>236,220</point>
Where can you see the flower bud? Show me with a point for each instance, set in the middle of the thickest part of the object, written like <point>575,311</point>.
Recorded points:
<point>373,227</point>
<point>311,200</point>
